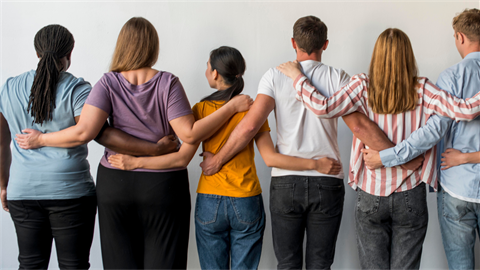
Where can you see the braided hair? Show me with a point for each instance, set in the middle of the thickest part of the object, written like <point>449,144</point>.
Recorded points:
<point>230,64</point>
<point>52,43</point>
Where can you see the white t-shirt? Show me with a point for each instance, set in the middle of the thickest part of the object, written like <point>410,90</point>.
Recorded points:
<point>299,132</point>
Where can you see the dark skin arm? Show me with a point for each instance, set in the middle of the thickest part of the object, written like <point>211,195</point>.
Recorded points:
<point>5,160</point>
<point>372,136</point>
<point>126,144</point>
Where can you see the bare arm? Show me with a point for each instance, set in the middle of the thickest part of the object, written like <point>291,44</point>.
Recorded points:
<point>241,135</point>
<point>5,160</point>
<point>192,132</point>
<point>178,159</point>
<point>90,123</point>
<point>453,157</point>
<point>367,131</point>
<point>127,144</point>
<point>274,159</point>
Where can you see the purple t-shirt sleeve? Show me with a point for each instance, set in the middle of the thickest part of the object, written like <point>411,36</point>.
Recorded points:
<point>99,97</point>
<point>177,104</point>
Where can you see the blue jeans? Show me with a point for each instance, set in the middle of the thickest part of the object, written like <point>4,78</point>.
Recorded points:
<point>229,227</point>
<point>459,221</point>
<point>391,230</point>
<point>305,205</point>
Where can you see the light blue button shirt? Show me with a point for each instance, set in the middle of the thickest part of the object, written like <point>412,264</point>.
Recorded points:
<point>46,173</point>
<point>462,182</point>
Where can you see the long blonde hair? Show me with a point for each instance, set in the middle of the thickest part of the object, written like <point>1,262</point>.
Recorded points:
<point>393,74</point>
<point>137,46</point>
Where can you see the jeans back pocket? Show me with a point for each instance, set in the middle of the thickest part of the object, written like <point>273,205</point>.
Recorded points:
<point>248,210</point>
<point>281,197</point>
<point>331,198</point>
<point>206,208</point>
<point>367,203</point>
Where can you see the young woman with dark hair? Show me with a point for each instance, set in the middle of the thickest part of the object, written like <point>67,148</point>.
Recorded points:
<point>391,210</point>
<point>144,214</point>
<point>229,212</point>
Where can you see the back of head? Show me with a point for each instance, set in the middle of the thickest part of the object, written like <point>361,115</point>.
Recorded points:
<point>393,74</point>
<point>468,23</point>
<point>137,46</point>
<point>52,43</point>
<point>230,64</point>
<point>310,34</point>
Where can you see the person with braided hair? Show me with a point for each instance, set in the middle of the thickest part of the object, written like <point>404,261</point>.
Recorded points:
<point>49,192</point>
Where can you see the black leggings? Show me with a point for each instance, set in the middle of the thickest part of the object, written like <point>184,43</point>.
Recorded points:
<point>69,222</point>
<point>144,218</point>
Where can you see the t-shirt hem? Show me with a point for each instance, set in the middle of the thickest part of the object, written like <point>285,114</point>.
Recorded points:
<point>241,195</point>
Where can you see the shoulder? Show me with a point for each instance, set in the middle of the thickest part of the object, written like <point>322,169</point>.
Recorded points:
<point>69,81</point>
<point>15,83</point>
<point>361,78</point>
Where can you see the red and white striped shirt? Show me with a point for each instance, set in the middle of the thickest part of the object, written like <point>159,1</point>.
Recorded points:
<point>354,97</point>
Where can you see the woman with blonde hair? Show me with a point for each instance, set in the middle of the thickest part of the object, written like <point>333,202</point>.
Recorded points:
<point>144,214</point>
<point>391,212</point>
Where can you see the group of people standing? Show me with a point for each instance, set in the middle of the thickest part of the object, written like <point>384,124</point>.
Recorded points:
<point>142,191</point>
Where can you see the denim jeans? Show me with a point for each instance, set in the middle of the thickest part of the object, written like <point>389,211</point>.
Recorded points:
<point>300,204</point>
<point>69,222</point>
<point>459,221</point>
<point>229,227</point>
<point>391,230</point>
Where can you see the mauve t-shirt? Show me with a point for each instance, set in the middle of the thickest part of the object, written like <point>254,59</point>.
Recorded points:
<point>143,111</point>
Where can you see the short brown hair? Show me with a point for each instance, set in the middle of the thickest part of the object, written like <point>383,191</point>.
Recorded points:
<point>137,46</point>
<point>468,23</point>
<point>310,34</point>
<point>393,74</point>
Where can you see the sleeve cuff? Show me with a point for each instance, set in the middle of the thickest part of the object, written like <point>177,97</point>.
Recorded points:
<point>389,157</point>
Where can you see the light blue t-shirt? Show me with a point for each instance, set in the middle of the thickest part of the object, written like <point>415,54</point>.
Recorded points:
<point>47,173</point>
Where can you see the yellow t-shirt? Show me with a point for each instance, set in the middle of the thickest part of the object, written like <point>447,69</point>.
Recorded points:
<point>238,177</point>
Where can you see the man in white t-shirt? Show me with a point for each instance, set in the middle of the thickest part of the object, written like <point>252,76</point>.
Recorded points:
<point>301,201</point>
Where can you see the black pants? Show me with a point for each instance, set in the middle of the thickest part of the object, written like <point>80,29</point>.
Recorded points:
<point>69,222</point>
<point>300,204</point>
<point>144,219</point>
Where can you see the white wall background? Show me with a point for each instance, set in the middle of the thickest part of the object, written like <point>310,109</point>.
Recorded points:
<point>188,31</point>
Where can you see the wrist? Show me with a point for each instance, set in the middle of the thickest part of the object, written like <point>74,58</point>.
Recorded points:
<point>312,164</point>
<point>137,163</point>
<point>41,140</point>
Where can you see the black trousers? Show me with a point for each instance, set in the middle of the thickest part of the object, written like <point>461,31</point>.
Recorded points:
<point>69,222</point>
<point>144,219</point>
<point>305,205</point>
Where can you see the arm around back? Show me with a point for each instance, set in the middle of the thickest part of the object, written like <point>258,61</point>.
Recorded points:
<point>241,135</point>
<point>90,123</point>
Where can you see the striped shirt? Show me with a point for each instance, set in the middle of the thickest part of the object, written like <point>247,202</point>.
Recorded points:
<point>354,97</point>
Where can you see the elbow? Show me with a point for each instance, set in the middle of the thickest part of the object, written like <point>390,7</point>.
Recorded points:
<point>85,138</point>
<point>249,131</point>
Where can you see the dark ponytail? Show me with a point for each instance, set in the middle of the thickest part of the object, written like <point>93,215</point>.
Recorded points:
<point>52,43</point>
<point>230,64</point>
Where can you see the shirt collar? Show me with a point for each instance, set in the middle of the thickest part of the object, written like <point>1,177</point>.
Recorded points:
<point>473,55</point>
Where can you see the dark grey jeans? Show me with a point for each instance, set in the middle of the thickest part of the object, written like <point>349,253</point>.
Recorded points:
<point>391,230</point>
<point>311,204</point>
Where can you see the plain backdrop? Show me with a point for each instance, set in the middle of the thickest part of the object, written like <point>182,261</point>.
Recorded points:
<point>188,31</point>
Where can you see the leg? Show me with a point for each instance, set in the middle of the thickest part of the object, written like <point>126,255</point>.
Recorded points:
<point>457,225</point>
<point>212,231</point>
<point>121,237</point>
<point>72,223</point>
<point>247,219</point>
<point>164,209</point>
<point>409,227</point>
<point>326,196</point>
<point>287,207</point>
<point>33,234</point>
<point>373,227</point>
